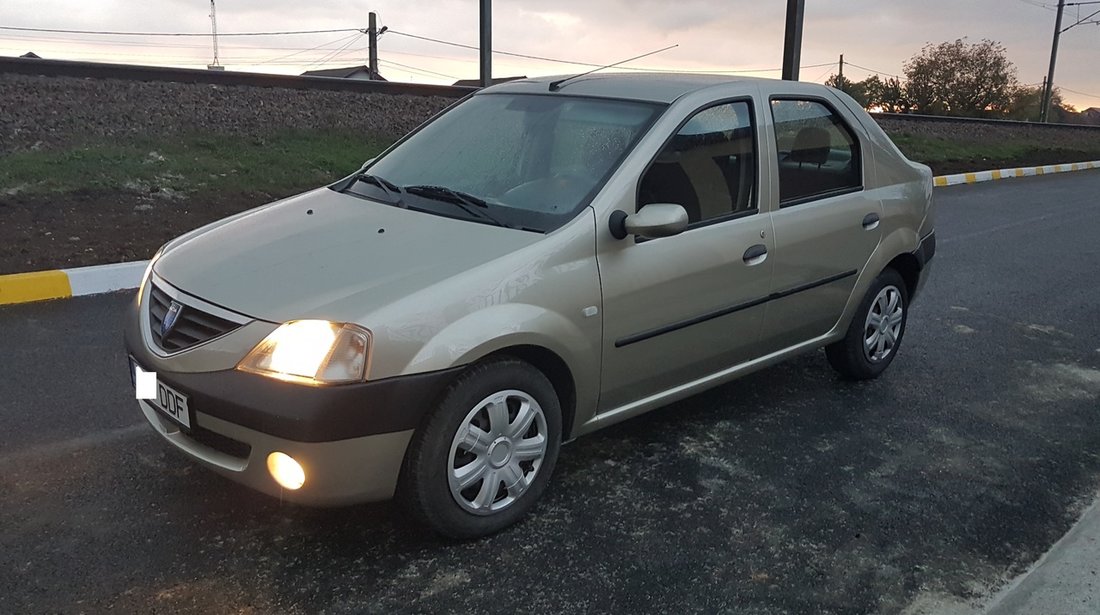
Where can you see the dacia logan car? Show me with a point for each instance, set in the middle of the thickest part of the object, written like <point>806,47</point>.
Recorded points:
<point>545,258</point>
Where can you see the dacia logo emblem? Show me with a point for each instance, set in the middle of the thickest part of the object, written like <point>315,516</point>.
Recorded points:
<point>170,318</point>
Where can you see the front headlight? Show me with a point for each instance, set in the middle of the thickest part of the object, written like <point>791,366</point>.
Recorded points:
<point>312,352</point>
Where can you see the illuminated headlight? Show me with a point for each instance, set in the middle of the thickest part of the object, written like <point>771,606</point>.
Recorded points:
<point>312,352</point>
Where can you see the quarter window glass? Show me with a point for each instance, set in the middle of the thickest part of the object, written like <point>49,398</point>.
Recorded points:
<point>709,166</point>
<point>818,155</point>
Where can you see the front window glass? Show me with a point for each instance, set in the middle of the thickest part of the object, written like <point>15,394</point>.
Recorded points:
<point>708,167</point>
<point>532,161</point>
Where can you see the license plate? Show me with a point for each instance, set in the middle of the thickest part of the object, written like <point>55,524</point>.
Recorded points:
<point>168,400</point>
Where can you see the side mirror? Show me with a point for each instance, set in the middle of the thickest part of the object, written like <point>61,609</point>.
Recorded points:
<point>653,220</point>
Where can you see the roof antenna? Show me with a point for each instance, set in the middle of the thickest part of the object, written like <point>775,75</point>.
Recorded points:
<point>556,85</point>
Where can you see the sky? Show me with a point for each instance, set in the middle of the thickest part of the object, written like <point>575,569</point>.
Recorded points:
<point>744,36</point>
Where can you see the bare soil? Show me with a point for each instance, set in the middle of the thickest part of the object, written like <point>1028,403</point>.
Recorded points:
<point>95,227</point>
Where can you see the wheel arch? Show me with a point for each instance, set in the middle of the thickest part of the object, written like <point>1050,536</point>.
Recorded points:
<point>909,267</point>
<point>556,371</point>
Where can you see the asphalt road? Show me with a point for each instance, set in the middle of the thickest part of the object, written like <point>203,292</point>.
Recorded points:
<point>786,492</point>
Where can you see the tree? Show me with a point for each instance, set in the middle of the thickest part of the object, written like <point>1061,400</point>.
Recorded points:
<point>872,92</point>
<point>960,78</point>
<point>888,94</point>
<point>855,89</point>
<point>1027,101</point>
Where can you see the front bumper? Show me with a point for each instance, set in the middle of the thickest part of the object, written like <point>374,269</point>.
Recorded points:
<point>350,439</point>
<point>363,469</point>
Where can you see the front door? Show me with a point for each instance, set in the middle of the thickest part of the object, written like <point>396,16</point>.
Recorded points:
<point>682,307</point>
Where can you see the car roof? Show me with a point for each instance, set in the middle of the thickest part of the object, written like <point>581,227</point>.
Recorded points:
<point>652,87</point>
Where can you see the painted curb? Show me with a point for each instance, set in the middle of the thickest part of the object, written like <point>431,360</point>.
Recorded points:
<point>985,176</point>
<point>64,283</point>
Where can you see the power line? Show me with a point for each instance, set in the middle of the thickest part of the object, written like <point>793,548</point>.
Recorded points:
<point>1041,5</point>
<point>204,34</point>
<point>591,64</point>
<point>414,68</point>
<point>290,55</point>
<point>159,45</point>
<point>870,70</point>
<point>827,71</point>
<point>1076,92</point>
<point>329,56</point>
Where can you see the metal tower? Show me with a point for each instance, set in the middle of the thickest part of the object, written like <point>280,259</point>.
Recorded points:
<point>215,65</point>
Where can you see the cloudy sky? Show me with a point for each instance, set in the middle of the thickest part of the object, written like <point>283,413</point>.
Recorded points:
<point>725,35</point>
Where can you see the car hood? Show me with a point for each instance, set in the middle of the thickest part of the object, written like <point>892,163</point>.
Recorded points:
<point>328,255</point>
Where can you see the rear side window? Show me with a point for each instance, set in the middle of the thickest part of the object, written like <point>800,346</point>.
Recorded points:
<point>818,153</point>
<point>708,166</point>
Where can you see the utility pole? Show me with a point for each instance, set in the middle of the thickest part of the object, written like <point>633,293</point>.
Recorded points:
<point>1048,90</point>
<point>372,45</point>
<point>486,46</point>
<point>792,39</point>
<point>840,75</point>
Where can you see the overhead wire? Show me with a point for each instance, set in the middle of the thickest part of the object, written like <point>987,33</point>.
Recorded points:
<point>414,68</point>
<point>290,55</point>
<point>871,70</point>
<point>330,56</point>
<point>220,34</point>
<point>590,64</point>
<point>100,42</point>
<point>1076,92</point>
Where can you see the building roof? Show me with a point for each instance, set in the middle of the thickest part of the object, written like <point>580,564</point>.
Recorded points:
<point>654,87</point>
<point>32,55</point>
<point>475,83</point>
<point>344,73</point>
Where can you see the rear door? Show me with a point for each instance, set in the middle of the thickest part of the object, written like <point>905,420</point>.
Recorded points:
<point>826,225</point>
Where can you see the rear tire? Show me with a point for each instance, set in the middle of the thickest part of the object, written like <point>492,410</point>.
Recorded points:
<point>876,331</point>
<point>483,457</point>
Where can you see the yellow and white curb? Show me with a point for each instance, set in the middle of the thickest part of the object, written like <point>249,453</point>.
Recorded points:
<point>64,283</point>
<point>985,176</point>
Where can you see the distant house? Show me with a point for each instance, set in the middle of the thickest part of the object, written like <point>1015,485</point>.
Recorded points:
<point>351,72</point>
<point>475,83</point>
<point>1092,114</point>
<point>32,55</point>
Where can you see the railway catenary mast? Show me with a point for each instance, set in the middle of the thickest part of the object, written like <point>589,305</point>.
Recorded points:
<point>215,65</point>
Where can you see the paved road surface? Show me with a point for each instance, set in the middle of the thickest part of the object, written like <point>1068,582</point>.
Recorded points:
<point>786,492</point>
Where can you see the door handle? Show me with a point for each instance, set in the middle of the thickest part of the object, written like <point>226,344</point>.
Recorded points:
<point>755,254</point>
<point>870,221</point>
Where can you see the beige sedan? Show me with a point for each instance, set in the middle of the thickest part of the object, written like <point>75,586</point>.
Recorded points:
<point>543,259</point>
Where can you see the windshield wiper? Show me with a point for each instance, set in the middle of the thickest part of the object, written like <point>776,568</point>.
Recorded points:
<point>392,190</point>
<point>464,200</point>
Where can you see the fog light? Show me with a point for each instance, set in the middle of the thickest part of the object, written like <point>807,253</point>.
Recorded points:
<point>286,471</point>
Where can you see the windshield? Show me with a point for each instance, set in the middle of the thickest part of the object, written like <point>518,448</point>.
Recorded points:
<point>531,161</point>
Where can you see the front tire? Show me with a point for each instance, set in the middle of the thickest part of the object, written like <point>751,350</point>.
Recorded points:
<point>485,454</point>
<point>876,331</point>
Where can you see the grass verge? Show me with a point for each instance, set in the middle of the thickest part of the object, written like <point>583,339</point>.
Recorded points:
<point>958,155</point>
<point>192,165</point>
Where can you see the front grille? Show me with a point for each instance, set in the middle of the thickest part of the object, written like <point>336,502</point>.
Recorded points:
<point>192,326</point>
<point>220,443</point>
